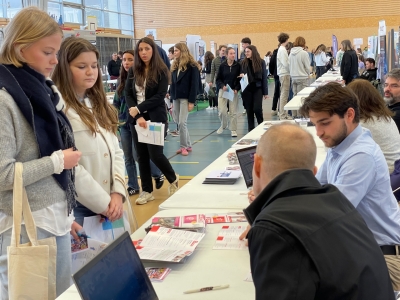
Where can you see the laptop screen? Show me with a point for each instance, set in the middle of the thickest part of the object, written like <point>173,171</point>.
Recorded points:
<point>246,160</point>
<point>115,273</point>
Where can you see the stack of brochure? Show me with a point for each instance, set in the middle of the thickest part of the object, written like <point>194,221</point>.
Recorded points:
<point>222,177</point>
<point>245,143</point>
<point>195,223</point>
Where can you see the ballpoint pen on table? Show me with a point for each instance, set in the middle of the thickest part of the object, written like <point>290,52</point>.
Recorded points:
<point>205,289</point>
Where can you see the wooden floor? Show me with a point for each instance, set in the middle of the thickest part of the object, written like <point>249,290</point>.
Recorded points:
<point>146,211</point>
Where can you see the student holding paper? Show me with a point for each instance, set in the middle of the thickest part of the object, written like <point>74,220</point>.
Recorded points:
<point>257,89</point>
<point>228,77</point>
<point>94,122</point>
<point>145,90</point>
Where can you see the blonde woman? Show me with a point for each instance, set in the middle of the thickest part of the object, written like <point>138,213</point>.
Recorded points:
<point>94,122</point>
<point>321,60</point>
<point>184,88</point>
<point>349,65</point>
<point>35,131</point>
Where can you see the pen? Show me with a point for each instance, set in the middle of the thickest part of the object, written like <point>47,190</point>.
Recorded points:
<point>210,288</point>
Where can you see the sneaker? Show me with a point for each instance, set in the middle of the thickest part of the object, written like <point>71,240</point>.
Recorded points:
<point>184,152</point>
<point>189,149</point>
<point>159,181</point>
<point>174,133</point>
<point>173,187</point>
<point>273,113</point>
<point>244,112</point>
<point>144,198</point>
<point>132,191</point>
<point>220,130</point>
<point>179,151</point>
<point>233,133</point>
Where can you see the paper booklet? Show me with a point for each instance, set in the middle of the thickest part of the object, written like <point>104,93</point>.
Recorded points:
<point>194,223</point>
<point>229,93</point>
<point>232,158</point>
<point>228,238</point>
<point>244,82</point>
<point>80,259</point>
<point>230,217</point>
<point>153,134</point>
<point>157,274</point>
<point>245,142</point>
<point>166,244</point>
<point>106,231</point>
<point>222,177</point>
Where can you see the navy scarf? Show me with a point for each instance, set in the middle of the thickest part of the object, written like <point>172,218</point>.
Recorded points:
<point>41,106</point>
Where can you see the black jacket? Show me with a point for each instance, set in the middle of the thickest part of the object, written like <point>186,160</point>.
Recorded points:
<point>186,85</point>
<point>272,63</point>
<point>207,69</point>
<point>229,75</point>
<point>396,118</point>
<point>260,78</point>
<point>153,108</point>
<point>369,75</point>
<point>164,56</point>
<point>349,66</point>
<point>113,67</point>
<point>307,241</point>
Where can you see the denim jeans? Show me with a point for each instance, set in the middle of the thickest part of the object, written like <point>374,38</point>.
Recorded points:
<point>181,112</point>
<point>63,263</point>
<point>128,147</point>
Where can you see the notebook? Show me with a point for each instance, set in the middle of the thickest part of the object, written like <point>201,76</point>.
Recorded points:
<point>245,157</point>
<point>115,273</point>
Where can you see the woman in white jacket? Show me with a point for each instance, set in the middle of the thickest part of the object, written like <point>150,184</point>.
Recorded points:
<point>321,60</point>
<point>94,123</point>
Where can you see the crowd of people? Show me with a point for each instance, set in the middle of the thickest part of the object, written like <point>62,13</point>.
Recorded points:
<point>327,233</point>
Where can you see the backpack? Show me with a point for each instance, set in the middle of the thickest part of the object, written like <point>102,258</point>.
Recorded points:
<point>272,63</point>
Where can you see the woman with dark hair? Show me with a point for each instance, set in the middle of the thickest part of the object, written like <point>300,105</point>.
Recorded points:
<point>145,89</point>
<point>130,154</point>
<point>212,97</point>
<point>184,89</point>
<point>349,64</point>
<point>377,117</point>
<point>254,67</point>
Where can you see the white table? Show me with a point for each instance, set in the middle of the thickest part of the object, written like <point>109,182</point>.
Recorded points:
<point>206,267</point>
<point>196,195</point>
<point>295,103</point>
<point>306,91</point>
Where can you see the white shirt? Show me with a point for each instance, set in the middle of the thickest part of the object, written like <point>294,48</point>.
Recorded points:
<point>140,92</point>
<point>282,62</point>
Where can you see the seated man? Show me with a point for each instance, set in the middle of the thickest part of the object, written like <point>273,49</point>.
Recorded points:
<point>392,94</point>
<point>307,241</point>
<point>356,166</point>
<point>370,70</point>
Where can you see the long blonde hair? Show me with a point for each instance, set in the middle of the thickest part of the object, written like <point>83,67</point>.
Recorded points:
<point>28,26</point>
<point>102,113</point>
<point>181,63</point>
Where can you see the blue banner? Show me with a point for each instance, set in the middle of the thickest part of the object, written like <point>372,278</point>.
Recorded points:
<point>334,45</point>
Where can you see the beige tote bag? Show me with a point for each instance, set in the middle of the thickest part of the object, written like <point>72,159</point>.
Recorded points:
<point>31,266</point>
<point>128,207</point>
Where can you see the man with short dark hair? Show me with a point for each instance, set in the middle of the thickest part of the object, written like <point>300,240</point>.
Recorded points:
<point>307,241</point>
<point>370,70</point>
<point>244,43</point>
<point>356,166</point>
<point>282,65</point>
<point>114,66</point>
<point>392,94</point>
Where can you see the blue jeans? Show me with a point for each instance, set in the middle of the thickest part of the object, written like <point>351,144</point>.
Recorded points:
<point>130,155</point>
<point>63,259</point>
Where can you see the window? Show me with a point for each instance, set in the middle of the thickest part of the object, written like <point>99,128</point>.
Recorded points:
<point>73,1</point>
<point>93,3</point>
<point>125,6</point>
<point>13,7</point>
<point>73,14</point>
<point>54,10</point>
<point>111,20</point>
<point>126,22</point>
<point>97,13</point>
<point>111,5</point>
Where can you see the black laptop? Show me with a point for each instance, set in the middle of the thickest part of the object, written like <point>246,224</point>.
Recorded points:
<point>115,273</point>
<point>245,157</point>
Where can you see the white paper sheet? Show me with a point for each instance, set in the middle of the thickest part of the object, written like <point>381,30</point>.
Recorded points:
<point>207,88</point>
<point>153,134</point>
<point>229,93</point>
<point>228,238</point>
<point>244,82</point>
<point>106,231</point>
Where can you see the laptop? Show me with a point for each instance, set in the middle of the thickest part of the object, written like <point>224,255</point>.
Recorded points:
<point>115,273</point>
<point>245,157</point>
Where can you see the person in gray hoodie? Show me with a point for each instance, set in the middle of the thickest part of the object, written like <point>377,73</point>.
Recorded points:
<point>299,65</point>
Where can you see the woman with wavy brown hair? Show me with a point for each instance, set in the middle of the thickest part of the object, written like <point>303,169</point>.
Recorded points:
<point>94,122</point>
<point>184,89</point>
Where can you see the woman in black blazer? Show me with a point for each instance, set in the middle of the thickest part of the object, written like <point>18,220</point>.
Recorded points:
<point>349,64</point>
<point>145,90</point>
<point>184,89</point>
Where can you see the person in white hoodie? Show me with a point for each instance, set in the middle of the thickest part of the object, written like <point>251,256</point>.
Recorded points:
<point>321,60</point>
<point>282,65</point>
<point>299,65</point>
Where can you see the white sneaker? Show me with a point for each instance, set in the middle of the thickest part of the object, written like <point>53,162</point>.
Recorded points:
<point>144,197</point>
<point>273,113</point>
<point>173,187</point>
<point>233,133</point>
<point>244,112</point>
<point>220,130</point>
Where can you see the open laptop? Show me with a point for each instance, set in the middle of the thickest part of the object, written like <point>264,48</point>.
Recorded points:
<point>115,273</point>
<point>245,157</point>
